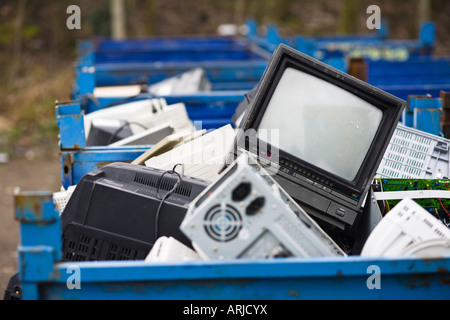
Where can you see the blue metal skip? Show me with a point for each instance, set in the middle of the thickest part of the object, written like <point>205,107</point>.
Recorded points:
<point>289,278</point>
<point>356,278</point>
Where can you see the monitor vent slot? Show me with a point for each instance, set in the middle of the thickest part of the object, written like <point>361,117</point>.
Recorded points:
<point>146,179</point>
<point>87,248</point>
<point>118,252</point>
<point>166,183</point>
<point>83,248</point>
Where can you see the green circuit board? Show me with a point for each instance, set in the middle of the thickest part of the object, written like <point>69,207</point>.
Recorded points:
<point>439,208</point>
<point>413,184</point>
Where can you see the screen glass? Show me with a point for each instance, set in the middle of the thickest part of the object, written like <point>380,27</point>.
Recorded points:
<point>320,123</point>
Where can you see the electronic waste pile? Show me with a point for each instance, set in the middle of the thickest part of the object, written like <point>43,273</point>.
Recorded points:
<point>302,179</point>
<point>184,198</point>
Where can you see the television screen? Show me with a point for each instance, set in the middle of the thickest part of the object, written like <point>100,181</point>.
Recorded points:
<point>320,132</point>
<point>333,128</point>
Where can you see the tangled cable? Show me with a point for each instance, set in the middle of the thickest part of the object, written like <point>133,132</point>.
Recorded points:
<point>168,194</point>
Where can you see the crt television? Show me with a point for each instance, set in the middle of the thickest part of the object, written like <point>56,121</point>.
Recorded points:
<point>320,132</point>
<point>119,211</point>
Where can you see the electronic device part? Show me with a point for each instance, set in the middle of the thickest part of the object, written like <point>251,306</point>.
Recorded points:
<point>14,288</point>
<point>415,154</point>
<point>203,157</point>
<point>191,81</point>
<point>134,117</point>
<point>106,131</point>
<point>61,198</point>
<point>408,229</point>
<point>170,249</point>
<point>147,137</point>
<point>168,143</point>
<point>246,214</point>
<point>431,194</point>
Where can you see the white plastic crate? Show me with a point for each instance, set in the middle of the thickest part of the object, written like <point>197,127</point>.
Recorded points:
<point>415,154</point>
<point>61,198</point>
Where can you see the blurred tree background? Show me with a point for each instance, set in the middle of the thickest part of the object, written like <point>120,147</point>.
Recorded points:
<point>38,50</point>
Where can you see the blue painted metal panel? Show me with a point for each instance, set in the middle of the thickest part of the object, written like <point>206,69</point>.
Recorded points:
<point>76,163</point>
<point>423,112</point>
<point>426,71</point>
<point>393,77</point>
<point>66,161</point>
<point>288,279</point>
<point>230,63</point>
<point>428,120</point>
<point>39,221</point>
<point>404,91</point>
<point>220,53</point>
<point>237,75</point>
<point>400,67</point>
<point>163,45</point>
<point>200,106</point>
<point>70,121</point>
<point>40,236</point>
<point>427,34</point>
<point>90,159</point>
<point>374,50</point>
<point>85,81</point>
<point>373,47</point>
<point>271,279</point>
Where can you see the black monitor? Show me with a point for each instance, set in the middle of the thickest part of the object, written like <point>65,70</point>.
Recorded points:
<point>321,132</point>
<point>117,213</point>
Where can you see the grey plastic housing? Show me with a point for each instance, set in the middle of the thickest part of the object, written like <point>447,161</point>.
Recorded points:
<point>264,222</point>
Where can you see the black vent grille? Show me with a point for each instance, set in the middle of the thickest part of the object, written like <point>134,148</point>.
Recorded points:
<point>83,246</point>
<point>166,183</point>
<point>119,252</point>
